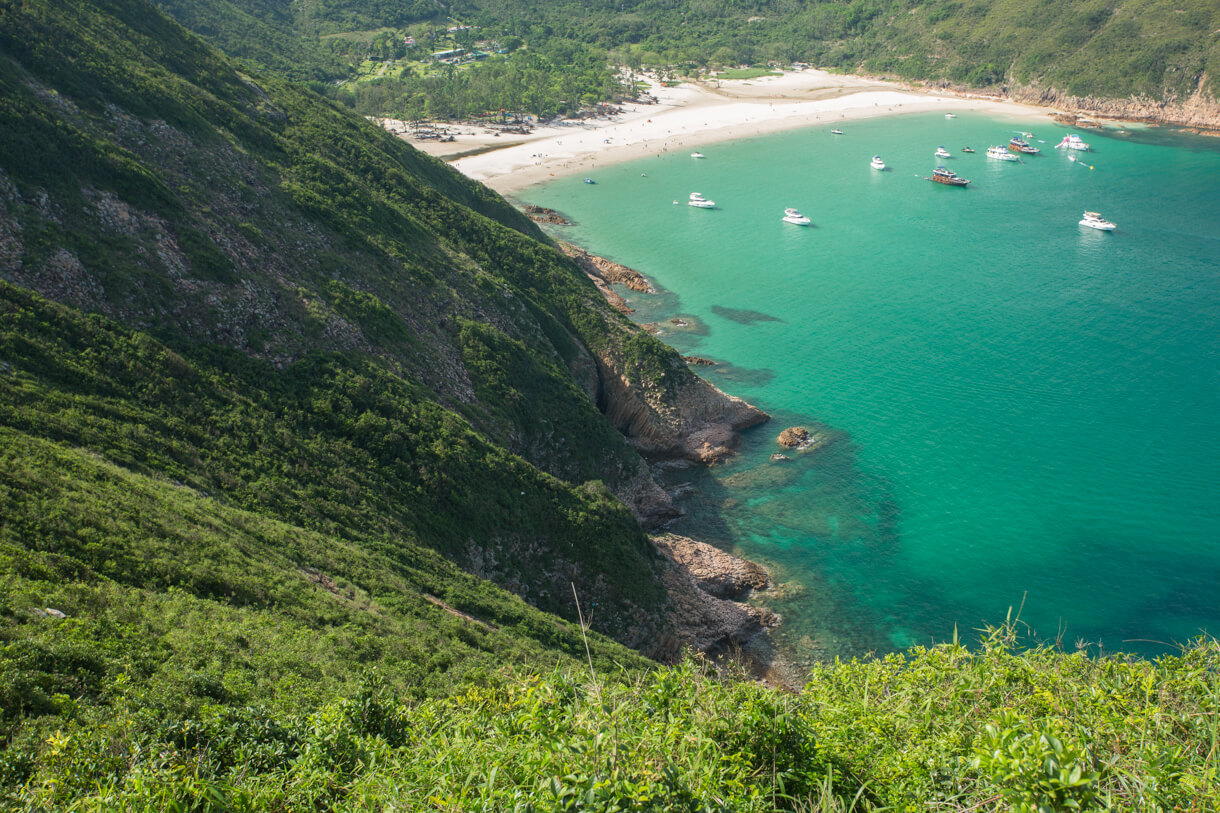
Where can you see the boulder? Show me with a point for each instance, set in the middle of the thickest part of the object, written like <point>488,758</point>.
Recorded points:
<point>793,436</point>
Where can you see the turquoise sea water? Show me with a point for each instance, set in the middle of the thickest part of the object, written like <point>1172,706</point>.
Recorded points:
<point>1025,411</point>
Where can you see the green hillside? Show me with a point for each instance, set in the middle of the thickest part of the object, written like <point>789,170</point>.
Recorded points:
<point>305,466</point>
<point>294,315</point>
<point>1109,48</point>
<point>1114,49</point>
<point>359,277</point>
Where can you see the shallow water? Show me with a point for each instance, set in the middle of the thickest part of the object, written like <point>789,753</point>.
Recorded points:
<point>1023,411</point>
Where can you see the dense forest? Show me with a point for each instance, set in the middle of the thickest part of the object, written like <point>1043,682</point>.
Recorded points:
<point>308,499</point>
<point>1102,47</point>
<point>560,77</point>
<point>1150,49</point>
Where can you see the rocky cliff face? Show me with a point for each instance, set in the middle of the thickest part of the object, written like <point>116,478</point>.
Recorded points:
<point>607,270</point>
<point>649,394</point>
<point>706,586</point>
<point>1199,110</point>
<point>680,418</point>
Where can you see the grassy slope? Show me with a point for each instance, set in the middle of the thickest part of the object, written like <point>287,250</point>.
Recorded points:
<point>373,291</point>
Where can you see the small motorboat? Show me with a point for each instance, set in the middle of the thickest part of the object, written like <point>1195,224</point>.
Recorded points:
<point>1073,142</point>
<point>941,152</point>
<point>590,180</point>
<point>950,115</point>
<point>836,131</point>
<point>699,202</point>
<point>967,149</point>
<point>877,163</point>
<point>697,155</point>
<point>796,218</point>
<point>1094,220</point>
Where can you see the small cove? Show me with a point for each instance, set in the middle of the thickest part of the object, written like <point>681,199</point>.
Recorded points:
<point>1023,410</point>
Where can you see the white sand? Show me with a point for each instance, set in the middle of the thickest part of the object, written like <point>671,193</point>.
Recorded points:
<point>690,115</point>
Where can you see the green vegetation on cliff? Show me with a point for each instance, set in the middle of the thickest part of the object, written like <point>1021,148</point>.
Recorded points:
<point>332,329</point>
<point>938,728</point>
<point>302,474</point>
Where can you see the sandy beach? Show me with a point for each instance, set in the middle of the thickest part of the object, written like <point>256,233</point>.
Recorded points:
<point>686,117</point>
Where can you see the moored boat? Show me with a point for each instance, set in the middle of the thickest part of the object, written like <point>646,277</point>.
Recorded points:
<point>699,202</point>
<point>967,149</point>
<point>1000,154</point>
<point>836,131</point>
<point>1022,146</point>
<point>697,155</point>
<point>948,177</point>
<point>1094,220</point>
<point>1072,142</point>
<point>941,152</point>
<point>950,115</point>
<point>877,163</point>
<point>590,180</point>
<point>795,217</point>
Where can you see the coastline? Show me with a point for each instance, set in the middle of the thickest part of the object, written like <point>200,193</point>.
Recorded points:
<point>692,115</point>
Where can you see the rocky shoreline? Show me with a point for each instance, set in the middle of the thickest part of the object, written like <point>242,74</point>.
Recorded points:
<point>1199,112</point>
<point>687,422</point>
<point>707,589</point>
<point>607,270</point>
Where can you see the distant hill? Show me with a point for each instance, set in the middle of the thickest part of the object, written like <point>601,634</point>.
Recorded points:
<point>1154,50</point>
<point>1106,48</point>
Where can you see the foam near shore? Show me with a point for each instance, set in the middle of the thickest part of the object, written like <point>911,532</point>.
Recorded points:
<point>691,115</point>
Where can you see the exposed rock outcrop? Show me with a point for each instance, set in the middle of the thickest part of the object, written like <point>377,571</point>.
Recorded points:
<point>717,573</point>
<point>607,270</point>
<point>679,416</point>
<point>651,504</point>
<point>1199,110</point>
<point>541,214</point>
<point>612,296</point>
<point>801,439</point>
<point>793,436</point>
<point>699,578</point>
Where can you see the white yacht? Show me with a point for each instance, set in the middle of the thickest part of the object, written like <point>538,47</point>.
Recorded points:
<point>1072,142</point>
<point>699,202</point>
<point>1094,220</point>
<point>1000,154</point>
<point>697,155</point>
<point>941,152</point>
<point>877,163</point>
<point>796,218</point>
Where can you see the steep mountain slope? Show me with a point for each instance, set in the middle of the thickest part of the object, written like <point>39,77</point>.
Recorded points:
<point>322,326</point>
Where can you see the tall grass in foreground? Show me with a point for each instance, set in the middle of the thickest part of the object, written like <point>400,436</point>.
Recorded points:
<point>944,728</point>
